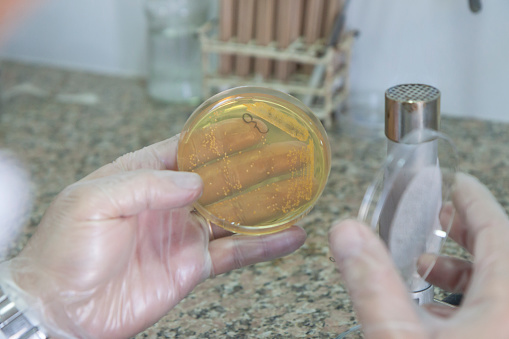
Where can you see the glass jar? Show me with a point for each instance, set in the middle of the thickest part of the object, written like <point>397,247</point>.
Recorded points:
<point>174,55</point>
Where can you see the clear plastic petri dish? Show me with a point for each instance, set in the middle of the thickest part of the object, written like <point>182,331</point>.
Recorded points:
<point>407,200</point>
<point>263,156</point>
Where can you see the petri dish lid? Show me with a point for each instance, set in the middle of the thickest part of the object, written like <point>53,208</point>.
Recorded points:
<point>405,201</point>
<point>263,156</point>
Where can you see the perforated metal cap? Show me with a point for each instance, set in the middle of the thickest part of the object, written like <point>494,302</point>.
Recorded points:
<point>409,107</point>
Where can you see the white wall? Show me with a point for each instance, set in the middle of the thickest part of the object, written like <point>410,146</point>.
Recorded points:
<point>438,42</point>
<point>97,35</point>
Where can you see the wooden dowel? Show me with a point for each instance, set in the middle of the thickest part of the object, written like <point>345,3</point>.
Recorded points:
<point>296,23</point>
<point>265,32</point>
<point>331,11</point>
<point>245,32</point>
<point>313,23</point>
<point>227,17</point>
<point>283,36</point>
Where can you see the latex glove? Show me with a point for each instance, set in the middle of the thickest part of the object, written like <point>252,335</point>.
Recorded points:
<point>117,250</point>
<point>381,301</point>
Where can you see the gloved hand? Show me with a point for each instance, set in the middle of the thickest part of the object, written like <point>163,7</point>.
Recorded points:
<point>117,250</point>
<point>381,301</point>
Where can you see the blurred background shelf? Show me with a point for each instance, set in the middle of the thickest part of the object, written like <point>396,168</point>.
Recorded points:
<point>466,60</point>
<point>273,44</point>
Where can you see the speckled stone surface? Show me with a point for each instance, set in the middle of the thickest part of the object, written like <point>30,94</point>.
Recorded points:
<point>299,296</point>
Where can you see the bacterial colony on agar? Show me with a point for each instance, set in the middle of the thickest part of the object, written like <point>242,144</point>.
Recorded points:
<point>263,156</point>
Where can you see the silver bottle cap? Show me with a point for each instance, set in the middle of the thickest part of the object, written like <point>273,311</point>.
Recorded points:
<point>409,107</point>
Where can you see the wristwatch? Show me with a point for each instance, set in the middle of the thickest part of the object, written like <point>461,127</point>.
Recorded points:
<point>14,324</point>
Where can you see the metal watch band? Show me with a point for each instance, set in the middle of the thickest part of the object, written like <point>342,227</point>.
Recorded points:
<point>13,324</point>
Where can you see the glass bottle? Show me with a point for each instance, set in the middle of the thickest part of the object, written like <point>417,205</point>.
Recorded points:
<point>174,55</point>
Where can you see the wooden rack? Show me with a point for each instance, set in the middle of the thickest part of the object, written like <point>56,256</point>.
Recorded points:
<point>233,55</point>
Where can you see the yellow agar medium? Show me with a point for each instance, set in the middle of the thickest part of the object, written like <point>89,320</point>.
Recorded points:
<point>263,156</point>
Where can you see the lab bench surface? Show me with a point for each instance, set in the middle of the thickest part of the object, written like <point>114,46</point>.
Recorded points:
<point>61,140</point>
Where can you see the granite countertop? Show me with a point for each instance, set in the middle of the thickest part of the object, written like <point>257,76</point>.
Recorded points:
<point>300,295</point>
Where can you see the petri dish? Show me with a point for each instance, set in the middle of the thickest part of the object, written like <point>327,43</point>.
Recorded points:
<point>405,202</point>
<point>263,156</point>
